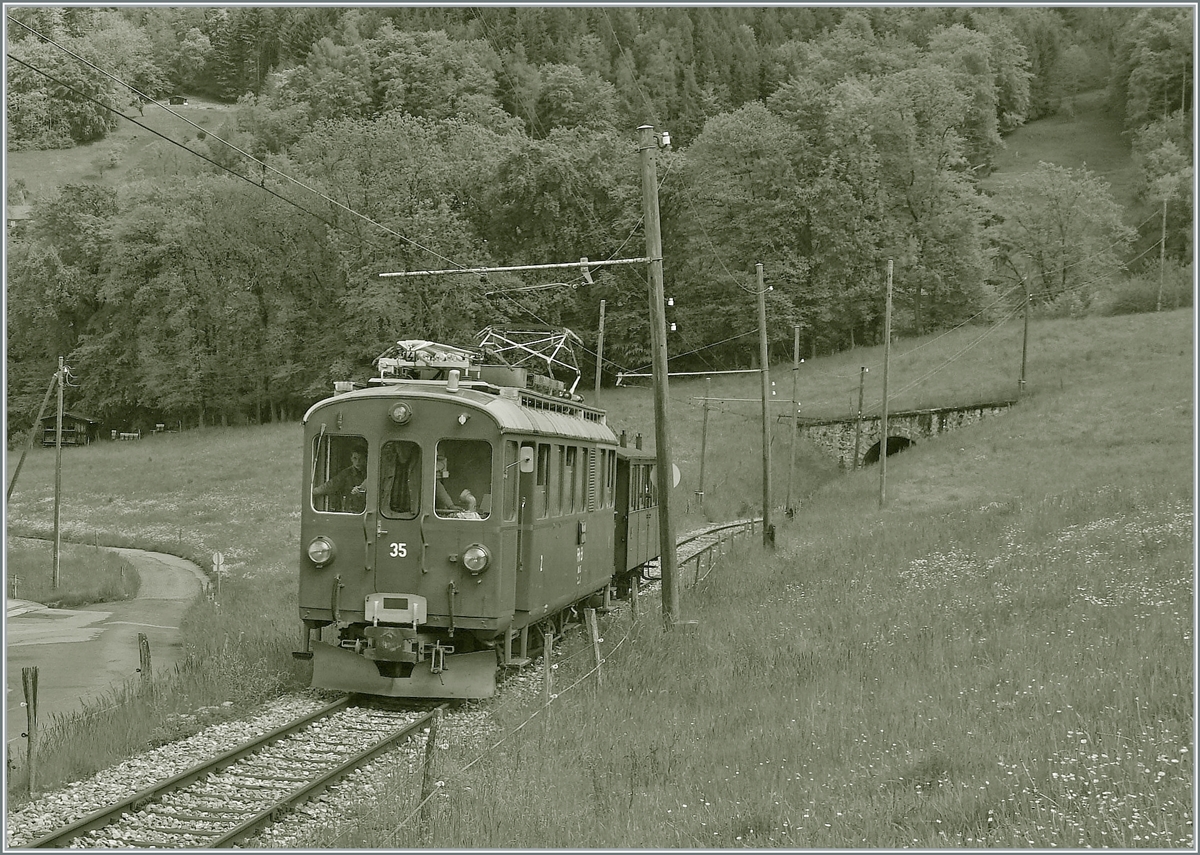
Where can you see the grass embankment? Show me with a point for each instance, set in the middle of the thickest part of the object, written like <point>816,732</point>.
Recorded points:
<point>1002,656</point>
<point>1029,579</point>
<point>86,574</point>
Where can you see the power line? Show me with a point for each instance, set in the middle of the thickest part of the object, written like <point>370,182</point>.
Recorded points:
<point>246,178</point>
<point>265,167</point>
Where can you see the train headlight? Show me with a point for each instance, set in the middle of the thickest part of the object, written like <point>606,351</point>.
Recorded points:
<point>320,551</point>
<point>400,412</point>
<point>476,558</point>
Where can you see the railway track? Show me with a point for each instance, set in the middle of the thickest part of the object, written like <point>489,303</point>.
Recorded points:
<point>237,794</point>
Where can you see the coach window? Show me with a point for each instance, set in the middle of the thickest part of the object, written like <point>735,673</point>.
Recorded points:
<point>569,470</point>
<point>556,485</point>
<point>463,479</point>
<point>339,474</point>
<point>400,479</point>
<point>541,503</point>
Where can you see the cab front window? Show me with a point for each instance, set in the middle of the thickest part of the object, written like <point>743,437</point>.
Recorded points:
<point>463,479</point>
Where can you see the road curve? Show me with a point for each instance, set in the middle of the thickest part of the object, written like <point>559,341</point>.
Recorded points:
<point>82,654</point>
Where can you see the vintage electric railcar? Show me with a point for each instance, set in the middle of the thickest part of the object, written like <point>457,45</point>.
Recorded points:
<point>450,506</point>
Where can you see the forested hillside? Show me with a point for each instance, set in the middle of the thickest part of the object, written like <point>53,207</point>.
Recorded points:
<point>819,141</point>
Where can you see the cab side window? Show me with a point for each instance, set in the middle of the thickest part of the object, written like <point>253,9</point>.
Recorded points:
<point>463,479</point>
<point>338,471</point>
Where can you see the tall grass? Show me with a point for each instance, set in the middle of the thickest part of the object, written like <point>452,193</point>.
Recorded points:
<point>909,597</point>
<point>86,574</point>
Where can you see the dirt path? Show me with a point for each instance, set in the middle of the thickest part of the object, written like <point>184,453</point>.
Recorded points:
<point>82,654</point>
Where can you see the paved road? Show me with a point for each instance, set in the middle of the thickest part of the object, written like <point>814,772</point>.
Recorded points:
<point>83,654</point>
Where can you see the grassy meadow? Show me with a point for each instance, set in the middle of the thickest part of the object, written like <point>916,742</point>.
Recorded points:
<point>1000,656</point>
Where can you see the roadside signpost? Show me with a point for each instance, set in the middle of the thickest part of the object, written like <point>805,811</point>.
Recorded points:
<point>218,565</point>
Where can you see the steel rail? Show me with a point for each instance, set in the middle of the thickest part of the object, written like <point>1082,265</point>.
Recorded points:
<point>270,815</point>
<point>106,816</point>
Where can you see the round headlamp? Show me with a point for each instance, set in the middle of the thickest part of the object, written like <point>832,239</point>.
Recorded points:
<point>476,558</point>
<point>400,412</point>
<point>320,551</point>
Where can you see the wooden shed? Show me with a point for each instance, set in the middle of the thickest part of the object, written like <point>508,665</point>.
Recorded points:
<point>77,429</point>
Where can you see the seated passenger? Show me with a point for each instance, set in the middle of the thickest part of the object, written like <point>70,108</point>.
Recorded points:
<point>467,501</point>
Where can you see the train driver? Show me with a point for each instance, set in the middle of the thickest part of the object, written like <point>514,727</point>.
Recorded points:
<point>445,502</point>
<point>348,486</point>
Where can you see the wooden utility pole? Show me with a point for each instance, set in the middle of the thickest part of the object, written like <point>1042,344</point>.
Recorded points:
<point>704,437</point>
<point>862,381</point>
<point>768,529</point>
<point>599,356</point>
<point>791,510</point>
<point>887,358</point>
<point>58,477</point>
<point>1162,257</point>
<point>668,560</point>
<point>1024,346</point>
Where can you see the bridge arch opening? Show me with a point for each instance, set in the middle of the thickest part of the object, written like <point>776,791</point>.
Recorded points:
<point>895,444</point>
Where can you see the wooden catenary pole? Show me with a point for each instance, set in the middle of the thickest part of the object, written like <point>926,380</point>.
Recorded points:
<point>668,560</point>
<point>883,421</point>
<point>791,508</point>
<point>704,437</point>
<point>764,367</point>
<point>862,381</point>
<point>599,356</point>
<point>58,478</point>
<point>1024,347</point>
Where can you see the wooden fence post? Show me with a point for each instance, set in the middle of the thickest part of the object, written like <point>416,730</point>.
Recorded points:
<point>29,681</point>
<point>144,656</point>
<point>427,784</point>
<point>547,671</point>
<point>590,616</point>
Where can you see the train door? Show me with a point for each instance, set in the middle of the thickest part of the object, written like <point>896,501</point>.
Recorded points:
<point>398,525</point>
<point>532,505</point>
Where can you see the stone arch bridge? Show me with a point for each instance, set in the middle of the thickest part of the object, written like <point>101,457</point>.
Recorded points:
<point>838,436</point>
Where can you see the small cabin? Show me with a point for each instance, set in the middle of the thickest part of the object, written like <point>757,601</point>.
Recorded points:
<point>76,429</point>
<point>177,100</point>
